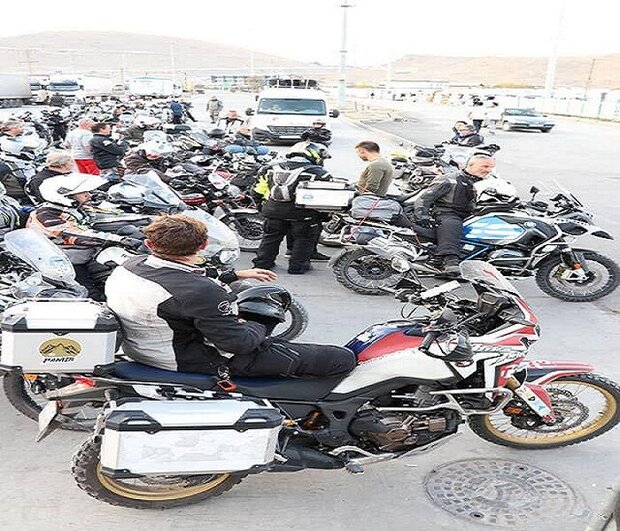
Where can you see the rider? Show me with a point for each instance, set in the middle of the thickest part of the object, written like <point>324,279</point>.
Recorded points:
<point>231,123</point>
<point>57,163</point>
<point>317,133</point>
<point>466,135</point>
<point>305,163</point>
<point>176,317</point>
<point>448,200</point>
<point>64,218</point>
<point>242,143</point>
<point>106,152</point>
<point>148,157</point>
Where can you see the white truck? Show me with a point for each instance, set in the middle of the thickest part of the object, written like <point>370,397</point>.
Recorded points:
<point>14,90</point>
<point>155,87</point>
<point>281,115</point>
<point>69,88</point>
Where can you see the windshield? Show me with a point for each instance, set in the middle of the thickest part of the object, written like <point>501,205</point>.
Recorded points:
<point>220,237</point>
<point>477,270</point>
<point>522,112</point>
<point>155,190</point>
<point>36,250</point>
<point>64,86</point>
<point>292,106</point>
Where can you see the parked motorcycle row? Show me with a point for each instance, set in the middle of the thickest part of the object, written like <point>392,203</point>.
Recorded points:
<point>456,355</point>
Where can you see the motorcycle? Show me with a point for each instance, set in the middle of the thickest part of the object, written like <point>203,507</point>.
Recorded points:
<point>32,267</point>
<point>510,236</point>
<point>449,361</point>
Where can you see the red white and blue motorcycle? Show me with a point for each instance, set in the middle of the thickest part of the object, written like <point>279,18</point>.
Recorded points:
<point>456,357</point>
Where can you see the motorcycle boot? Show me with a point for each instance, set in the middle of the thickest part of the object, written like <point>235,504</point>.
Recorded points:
<point>451,265</point>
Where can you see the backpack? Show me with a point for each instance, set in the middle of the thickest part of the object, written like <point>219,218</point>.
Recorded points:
<point>283,183</point>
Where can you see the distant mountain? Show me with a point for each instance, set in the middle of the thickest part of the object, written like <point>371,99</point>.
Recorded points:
<point>114,54</point>
<point>107,53</point>
<point>595,72</point>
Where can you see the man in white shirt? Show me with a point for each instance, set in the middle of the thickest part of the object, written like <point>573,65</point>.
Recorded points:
<point>78,141</point>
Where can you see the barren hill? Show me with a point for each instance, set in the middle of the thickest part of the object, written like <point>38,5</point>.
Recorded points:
<point>127,54</point>
<point>108,52</point>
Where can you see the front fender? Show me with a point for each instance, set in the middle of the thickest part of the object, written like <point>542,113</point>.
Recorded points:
<point>541,372</point>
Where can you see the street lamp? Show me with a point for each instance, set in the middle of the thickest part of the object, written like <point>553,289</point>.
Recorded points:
<point>342,89</point>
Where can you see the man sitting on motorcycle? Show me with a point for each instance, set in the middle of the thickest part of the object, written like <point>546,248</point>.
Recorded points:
<point>148,157</point>
<point>242,142</point>
<point>65,219</point>
<point>176,317</point>
<point>446,203</point>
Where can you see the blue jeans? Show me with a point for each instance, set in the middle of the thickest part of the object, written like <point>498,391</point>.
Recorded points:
<point>258,150</point>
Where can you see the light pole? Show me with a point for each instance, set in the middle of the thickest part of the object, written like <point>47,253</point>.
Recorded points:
<point>342,89</point>
<point>553,57</point>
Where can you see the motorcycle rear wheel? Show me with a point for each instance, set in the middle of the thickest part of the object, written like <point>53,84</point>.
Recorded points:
<point>364,272</point>
<point>17,392</point>
<point>567,396</point>
<point>548,278</point>
<point>296,322</point>
<point>148,492</point>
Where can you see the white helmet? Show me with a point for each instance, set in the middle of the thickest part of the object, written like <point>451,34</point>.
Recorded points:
<point>153,147</point>
<point>59,189</point>
<point>13,146</point>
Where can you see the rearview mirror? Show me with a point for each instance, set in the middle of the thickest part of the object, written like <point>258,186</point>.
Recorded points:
<point>334,113</point>
<point>534,190</point>
<point>249,111</point>
<point>462,350</point>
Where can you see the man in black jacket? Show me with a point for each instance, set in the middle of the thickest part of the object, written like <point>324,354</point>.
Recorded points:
<point>282,217</point>
<point>106,152</point>
<point>56,163</point>
<point>446,203</point>
<point>148,157</point>
<point>175,317</point>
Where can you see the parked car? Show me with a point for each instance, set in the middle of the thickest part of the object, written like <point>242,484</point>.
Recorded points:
<point>525,119</point>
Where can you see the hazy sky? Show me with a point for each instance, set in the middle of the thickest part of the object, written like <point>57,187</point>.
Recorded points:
<point>379,30</point>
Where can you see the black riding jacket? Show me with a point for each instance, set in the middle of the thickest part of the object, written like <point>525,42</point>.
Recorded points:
<point>177,318</point>
<point>106,152</point>
<point>452,192</point>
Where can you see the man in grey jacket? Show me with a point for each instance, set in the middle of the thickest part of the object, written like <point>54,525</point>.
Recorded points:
<point>377,176</point>
<point>446,203</point>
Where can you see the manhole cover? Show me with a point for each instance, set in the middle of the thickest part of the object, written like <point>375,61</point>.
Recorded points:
<point>502,493</point>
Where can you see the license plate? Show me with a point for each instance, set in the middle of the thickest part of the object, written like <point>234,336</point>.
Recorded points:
<point>46,418</point>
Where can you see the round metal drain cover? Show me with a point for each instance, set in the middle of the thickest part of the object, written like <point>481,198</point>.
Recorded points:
<point>502,493</point>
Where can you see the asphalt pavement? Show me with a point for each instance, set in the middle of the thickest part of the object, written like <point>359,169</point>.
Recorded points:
<point>39,492</point>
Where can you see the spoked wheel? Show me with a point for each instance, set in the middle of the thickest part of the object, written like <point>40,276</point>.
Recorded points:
<point>366,273</point>
<point>585,406</point>
<point>296,322</point>
<point>249,230</point>
<point>558,280</point>
<point>19,393</point>
<point>145,492</point>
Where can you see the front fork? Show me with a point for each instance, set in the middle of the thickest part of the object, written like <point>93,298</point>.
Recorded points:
<point>576,267</point>
<point>534,396</point>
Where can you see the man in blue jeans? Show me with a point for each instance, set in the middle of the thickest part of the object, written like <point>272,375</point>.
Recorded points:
<point>242,143</point>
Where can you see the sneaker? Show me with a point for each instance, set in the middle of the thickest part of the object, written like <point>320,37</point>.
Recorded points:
<point>320,257</point>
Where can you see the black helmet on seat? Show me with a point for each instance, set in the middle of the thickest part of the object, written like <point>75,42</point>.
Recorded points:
<point>266,305</point>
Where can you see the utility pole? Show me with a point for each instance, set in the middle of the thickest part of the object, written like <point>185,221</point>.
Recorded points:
<point>172,63</point>
<point>553,57</point>
<point>342,89</point>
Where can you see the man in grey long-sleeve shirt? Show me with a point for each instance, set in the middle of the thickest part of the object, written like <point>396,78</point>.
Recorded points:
<point>377,176</point>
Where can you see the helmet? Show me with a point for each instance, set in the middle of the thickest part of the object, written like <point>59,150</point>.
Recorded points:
<point>153,147</point>
<point>264,304</point>
<point>319,121</point>
<point>60,189</point>
<point>12,146</point>
<point>213,98</point>
<point>314,153</point>
<point>216,133</point>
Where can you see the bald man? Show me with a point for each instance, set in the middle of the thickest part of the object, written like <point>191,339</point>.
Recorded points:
<point>78,141</point>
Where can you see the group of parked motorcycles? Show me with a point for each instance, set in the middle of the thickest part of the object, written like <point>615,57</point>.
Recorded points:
<point>456,355</point>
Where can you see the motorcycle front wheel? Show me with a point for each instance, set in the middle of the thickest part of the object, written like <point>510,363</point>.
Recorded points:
<point>145,492</point>
<point>249,229</point>
<point>585,405</point>
<point>602,276</point>
<point>364,272</point>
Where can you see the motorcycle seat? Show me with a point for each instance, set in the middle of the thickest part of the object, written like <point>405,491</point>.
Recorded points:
<point>306,389</point>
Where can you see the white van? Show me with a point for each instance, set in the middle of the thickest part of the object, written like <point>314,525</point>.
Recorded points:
<point>282,115</point>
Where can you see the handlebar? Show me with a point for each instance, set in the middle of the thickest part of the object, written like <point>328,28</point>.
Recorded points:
<point>428,340</point>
